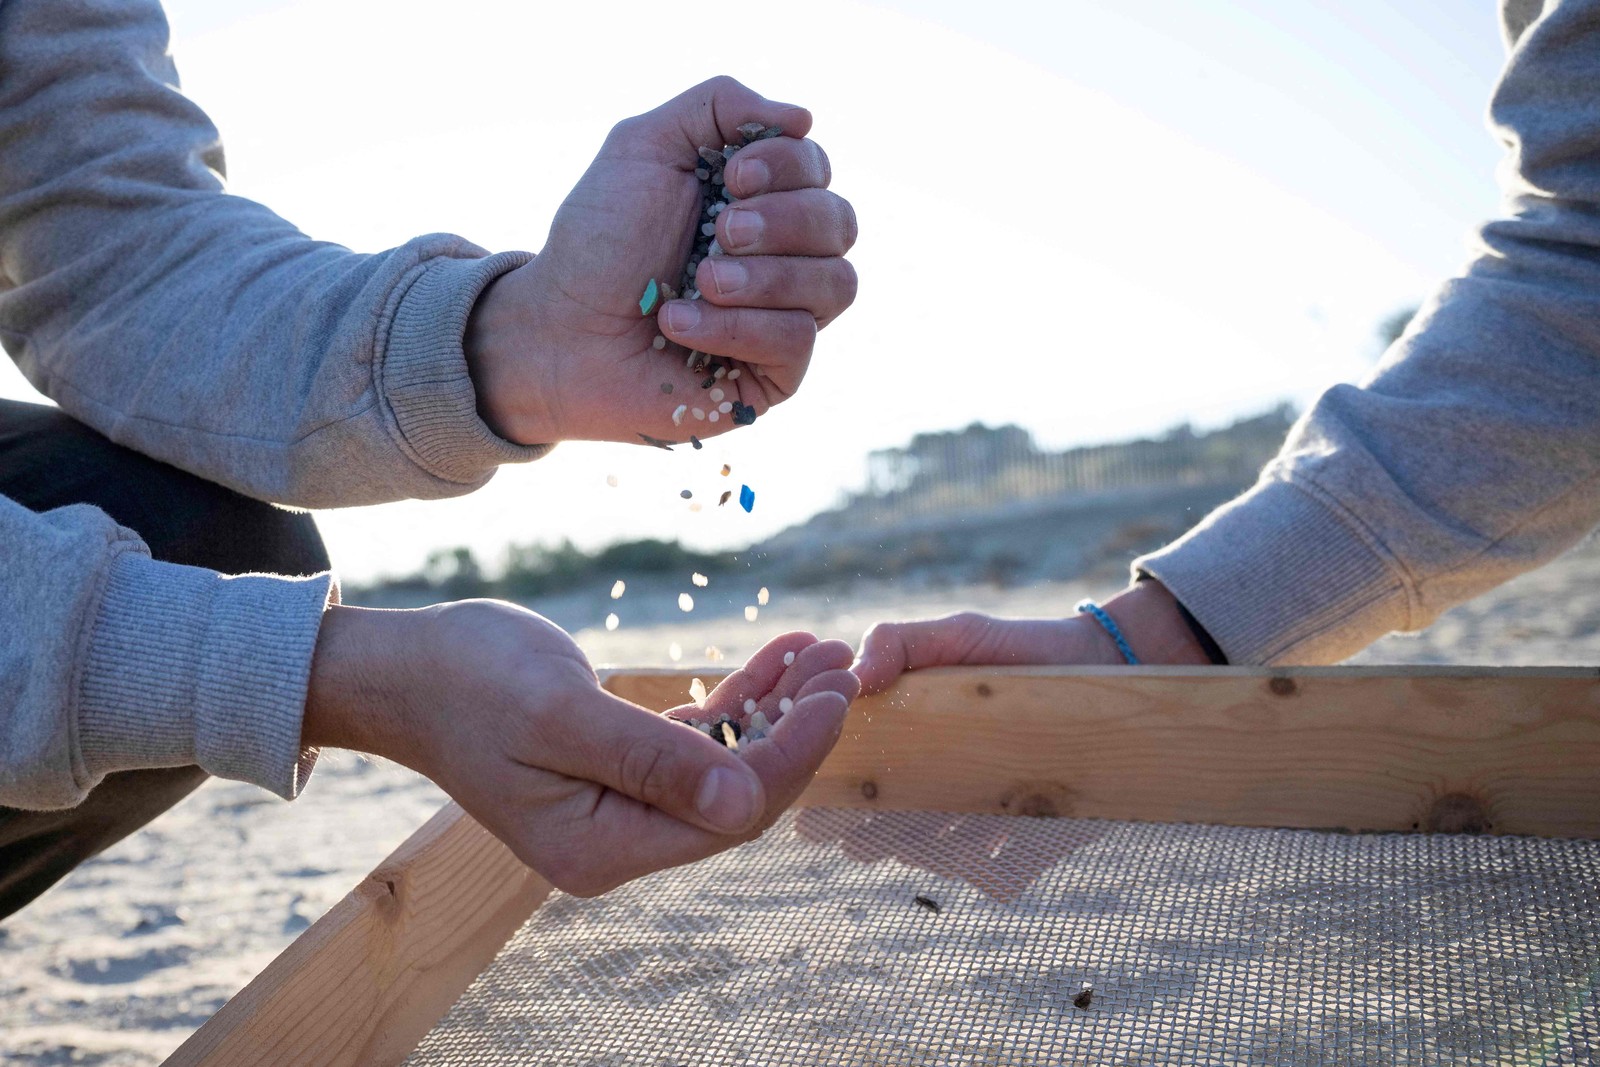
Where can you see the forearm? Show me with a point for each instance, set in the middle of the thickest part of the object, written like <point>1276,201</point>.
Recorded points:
<point>1473,452</point>
<point>198,327</point>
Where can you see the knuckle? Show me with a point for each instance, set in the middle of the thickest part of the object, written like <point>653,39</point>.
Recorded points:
<point>646,771</point>
<point>847,283</point>
<point>824,166</point>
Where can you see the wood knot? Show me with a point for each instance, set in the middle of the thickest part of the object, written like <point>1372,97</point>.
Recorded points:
<point>1033,805</point>
<point>1283,687</point>
<point>984,690</point>
<point>1458,813</point>
<point>869,790</point>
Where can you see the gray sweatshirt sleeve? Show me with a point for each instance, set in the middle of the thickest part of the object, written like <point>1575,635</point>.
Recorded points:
<point>1472,453</point>
<point>112,661</point>
<point>200,328</point>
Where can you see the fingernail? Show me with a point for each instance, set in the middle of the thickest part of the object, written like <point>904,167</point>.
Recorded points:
<point>728,275</point>
<point>727,799</point>
<point>751,176</point>
<point>743,228</point>
<point>681,316</point>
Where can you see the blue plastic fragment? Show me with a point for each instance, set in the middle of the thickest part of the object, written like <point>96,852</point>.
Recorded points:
<point>747,497</point>
<point>651,297</point>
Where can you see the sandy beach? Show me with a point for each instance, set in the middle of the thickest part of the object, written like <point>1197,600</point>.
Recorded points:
<point>123,960</point>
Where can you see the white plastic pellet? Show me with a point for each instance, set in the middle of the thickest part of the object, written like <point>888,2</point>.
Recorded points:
<point>697,691</point>
<point>714,654</point>
<point>611,480</point>
<point>717,394</point>
<point>735,374</point>
<point>712,416</point>
<point>659,343</point>
<point>677,414</point>
<point>750,612</point>
<point>612,622</point>
<point>758,721</point>
<point>749,706</point>
<point>725,407</point>
<point>695,506</point>
<point>785,705</point>
<point>685,602</point>
<point>788,659</point>
<point>674,652</point>
<point>762,596</point>
<point>699,579</point>
<point>699,413</point>
<point>618,587</point>
<point>720,371</point>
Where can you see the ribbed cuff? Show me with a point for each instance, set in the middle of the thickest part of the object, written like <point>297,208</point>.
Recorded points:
<point>423,371</point>
<point>1279,575</point>
<point>186,666</point>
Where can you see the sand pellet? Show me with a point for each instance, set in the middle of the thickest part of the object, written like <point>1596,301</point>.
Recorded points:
<point>685,602</point>
<point>750,612</point>
<point>618,587</point>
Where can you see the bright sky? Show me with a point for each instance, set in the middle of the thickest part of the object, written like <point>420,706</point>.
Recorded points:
<point>1091,218</point>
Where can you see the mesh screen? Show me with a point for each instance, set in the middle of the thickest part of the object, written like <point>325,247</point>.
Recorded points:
<point>1203,945</point>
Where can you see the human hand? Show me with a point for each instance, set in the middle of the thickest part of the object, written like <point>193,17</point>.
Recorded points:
<point>1147,614</point>
<point>558,349</point>
<point>500,708</point>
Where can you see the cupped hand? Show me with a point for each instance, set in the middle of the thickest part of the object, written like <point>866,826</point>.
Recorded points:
<point>501,709</point>
<point>558,349</point>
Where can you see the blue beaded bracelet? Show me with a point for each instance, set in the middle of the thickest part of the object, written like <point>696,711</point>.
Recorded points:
<point>1089,607</point>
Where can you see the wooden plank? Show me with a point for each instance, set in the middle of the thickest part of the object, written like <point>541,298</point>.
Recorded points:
<point>1382,748</point>
<point>371,977</point>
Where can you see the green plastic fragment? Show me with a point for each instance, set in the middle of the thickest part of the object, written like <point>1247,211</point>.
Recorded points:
<point>651,298</point>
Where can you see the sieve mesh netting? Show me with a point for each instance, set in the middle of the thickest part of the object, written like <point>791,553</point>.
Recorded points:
<point>1203,945</point>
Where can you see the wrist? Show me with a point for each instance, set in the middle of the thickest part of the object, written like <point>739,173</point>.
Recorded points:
<point>362,682</point>
<point>496,345</point>
<point>1150,621</point>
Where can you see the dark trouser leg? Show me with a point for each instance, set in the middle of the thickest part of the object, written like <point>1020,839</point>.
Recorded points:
<point>48,460</point>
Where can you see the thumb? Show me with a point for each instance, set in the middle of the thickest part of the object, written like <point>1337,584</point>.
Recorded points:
<point>665,764</point>
<point>711,113</point>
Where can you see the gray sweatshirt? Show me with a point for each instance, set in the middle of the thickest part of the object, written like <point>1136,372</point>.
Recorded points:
<point>205,331</point>
<point>1472,453</point>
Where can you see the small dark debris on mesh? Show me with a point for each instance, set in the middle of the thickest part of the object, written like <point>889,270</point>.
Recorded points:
<point>928,902</point>
<point>1084,998</point>
<point>693,440</point>
<point>655,441</point>
<point>726,496</point>
<point>743,414</point>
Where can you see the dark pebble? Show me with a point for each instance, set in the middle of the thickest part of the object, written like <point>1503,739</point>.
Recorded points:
<point>743,414</point>
<point>655,441</point>
<point>725,498</point>
<point>1085,998</point>
<point>693,440</point>
<point>709,382</point>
